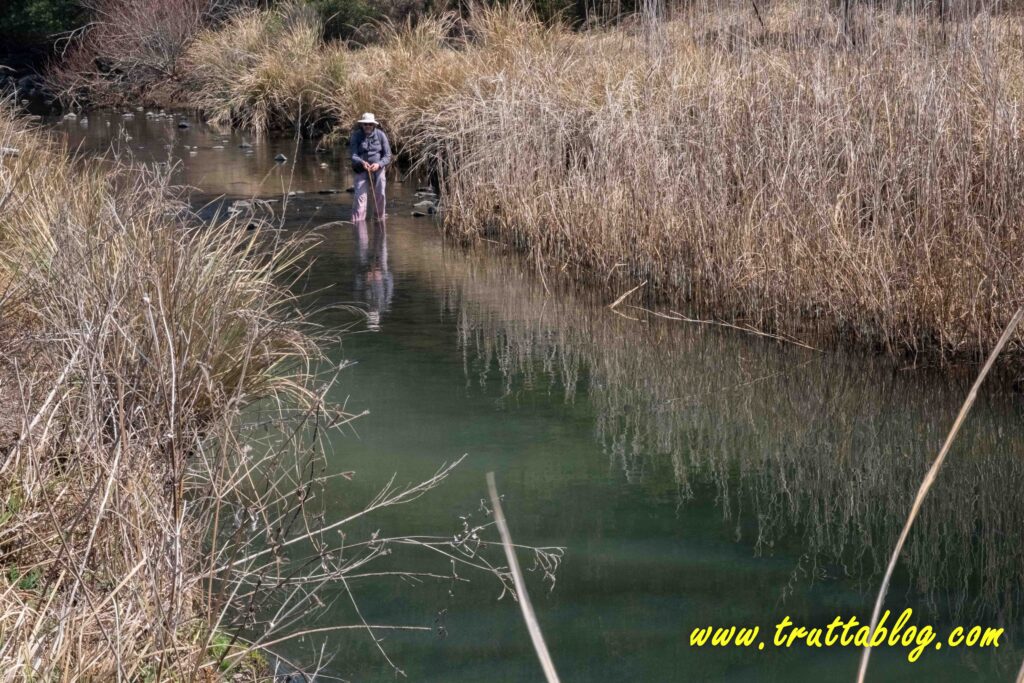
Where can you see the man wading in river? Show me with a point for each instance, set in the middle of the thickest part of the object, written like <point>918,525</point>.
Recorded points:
<point>371,153</point>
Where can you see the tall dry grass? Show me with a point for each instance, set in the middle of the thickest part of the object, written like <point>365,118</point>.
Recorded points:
<point>773,178</point>
<point>133,335</point>
<point>853,178</point>
<point>265,69</point>
<point>161,472</point>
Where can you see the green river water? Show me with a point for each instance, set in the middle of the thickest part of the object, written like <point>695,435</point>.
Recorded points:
<point>694,475</point>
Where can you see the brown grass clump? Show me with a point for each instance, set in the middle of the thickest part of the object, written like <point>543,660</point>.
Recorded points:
<point>139,335</point>
<point>265,69</point>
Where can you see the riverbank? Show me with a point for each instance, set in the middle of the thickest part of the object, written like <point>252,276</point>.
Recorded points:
<point>848,186</point>
<point>132,336</point>
<point>172,502</point>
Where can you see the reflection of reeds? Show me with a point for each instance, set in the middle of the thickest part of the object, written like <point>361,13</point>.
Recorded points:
<point>929,481</point>
<point>814,454</point>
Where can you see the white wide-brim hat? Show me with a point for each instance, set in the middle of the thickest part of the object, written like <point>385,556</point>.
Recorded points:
<point>368,118</point>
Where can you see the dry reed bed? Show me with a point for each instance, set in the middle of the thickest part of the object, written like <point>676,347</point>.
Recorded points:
<point>131,337</point>
<point>782,177</point>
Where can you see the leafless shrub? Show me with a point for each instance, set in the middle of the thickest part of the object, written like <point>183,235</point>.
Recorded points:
<point>130,47</point>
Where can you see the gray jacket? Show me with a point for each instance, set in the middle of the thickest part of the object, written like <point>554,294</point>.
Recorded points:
<point>373,148</point>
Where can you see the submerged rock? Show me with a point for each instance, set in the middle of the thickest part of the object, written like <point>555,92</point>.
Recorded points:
<point>418,214</point>
<point>245,145</point>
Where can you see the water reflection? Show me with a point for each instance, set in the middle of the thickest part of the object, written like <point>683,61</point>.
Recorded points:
<point>374,282</point>
<point>628,442</point>
<point>813,455</point>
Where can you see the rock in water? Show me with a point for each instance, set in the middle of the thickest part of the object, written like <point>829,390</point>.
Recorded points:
<point>184,124</point>
<point>280,158</point>
<point>245,145</point>
<point>238,206</point>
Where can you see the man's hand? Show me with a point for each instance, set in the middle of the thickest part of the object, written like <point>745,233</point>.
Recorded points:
<point>373,168</point>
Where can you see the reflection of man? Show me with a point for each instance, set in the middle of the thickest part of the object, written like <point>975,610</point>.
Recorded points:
<point>374,282</point>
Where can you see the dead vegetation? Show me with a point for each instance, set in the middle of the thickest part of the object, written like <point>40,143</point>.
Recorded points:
<point>161,515</point>
<point>810,174</point>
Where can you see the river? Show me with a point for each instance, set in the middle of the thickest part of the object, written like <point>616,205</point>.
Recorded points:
<point>694,475</point>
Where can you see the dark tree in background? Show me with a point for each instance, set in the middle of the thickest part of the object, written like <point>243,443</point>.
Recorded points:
<point>28,23</point>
